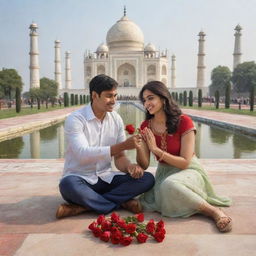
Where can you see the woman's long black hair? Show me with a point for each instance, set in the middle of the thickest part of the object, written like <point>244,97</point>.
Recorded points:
<point>171,108</point>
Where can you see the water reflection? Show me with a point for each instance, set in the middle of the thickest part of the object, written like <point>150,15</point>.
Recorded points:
<point>211,141</point>
<point>48,133</point>
<point>35,144</point>
<point>246,145</point>
<point>61,139</point>
<point>218,135</point>
<point>11,148</point>
<point>198,139</point>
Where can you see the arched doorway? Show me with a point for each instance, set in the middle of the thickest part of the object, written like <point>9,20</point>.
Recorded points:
<point>164,71</point>
<point>126,75</point>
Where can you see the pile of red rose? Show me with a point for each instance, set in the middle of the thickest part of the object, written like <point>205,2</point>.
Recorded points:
<point>123,231</point>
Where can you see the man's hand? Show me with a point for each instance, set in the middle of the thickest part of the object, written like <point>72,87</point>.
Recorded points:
<point>130,143</point>
<point>135,171</point>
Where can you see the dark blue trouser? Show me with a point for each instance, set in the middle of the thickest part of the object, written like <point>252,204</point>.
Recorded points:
<point>103,197</point>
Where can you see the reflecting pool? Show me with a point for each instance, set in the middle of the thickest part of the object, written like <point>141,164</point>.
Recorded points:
<point>211,141</point>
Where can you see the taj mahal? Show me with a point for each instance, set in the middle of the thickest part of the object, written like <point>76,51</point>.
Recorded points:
<point>126,58</point>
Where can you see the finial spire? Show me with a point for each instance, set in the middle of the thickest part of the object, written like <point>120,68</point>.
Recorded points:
<point>124,10</point>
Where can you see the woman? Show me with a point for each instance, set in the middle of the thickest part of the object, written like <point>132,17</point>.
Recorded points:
<point>182,187</point>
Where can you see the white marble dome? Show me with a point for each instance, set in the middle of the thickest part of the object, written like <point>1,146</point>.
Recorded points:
<point>102,48</point>
<point>125,34</point>
<point>150,48</point>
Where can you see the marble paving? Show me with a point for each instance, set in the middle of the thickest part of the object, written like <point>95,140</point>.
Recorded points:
<point>29,197</point>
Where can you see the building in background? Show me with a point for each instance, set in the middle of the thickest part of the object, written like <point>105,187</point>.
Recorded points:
<point>127,59</point>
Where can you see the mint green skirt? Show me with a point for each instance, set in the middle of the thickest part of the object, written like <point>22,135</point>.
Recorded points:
<point>179,193</point>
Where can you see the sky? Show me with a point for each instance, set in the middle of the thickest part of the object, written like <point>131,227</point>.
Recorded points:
<point>82,25</point>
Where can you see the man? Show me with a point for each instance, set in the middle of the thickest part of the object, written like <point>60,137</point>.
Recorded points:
<point>95,134</point>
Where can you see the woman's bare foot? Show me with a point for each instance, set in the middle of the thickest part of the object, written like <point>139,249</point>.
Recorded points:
<point>223,221</point>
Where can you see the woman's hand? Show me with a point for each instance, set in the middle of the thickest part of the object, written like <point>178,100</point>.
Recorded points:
<point>149,138</point>
<point>138,141</point>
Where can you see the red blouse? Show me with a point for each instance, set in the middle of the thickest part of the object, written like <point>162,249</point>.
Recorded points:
<point>173,140</point>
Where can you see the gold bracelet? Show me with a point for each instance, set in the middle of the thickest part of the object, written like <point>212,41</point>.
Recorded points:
<point>161,157</point>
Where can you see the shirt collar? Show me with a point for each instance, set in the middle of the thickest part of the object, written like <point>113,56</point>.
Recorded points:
<point>89,114</point>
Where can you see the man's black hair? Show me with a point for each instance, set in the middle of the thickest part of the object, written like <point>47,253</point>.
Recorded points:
<point>102,83</point>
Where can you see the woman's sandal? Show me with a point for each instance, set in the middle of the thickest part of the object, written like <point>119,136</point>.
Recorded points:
<point>224,223</point>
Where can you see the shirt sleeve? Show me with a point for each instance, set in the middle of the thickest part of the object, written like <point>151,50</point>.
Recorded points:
<point>121,132</point>
<point>186,125</point>
<point>79,144</point>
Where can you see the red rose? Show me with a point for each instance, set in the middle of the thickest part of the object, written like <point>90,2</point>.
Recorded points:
<point>151,227</point>
<point>106,225</point>
<point>140,217</point>
<point>114,217</point>
<point>100,219</point>
<point>162,230</point>
<point>119,230</point>
<point>160,224</point>
<point>92,226</point>
<point>130,128</point>
<point>126,240</point>
<point>97,232</point>
<point>130,228</point>
<point>159,236</point>
<point>105,236</point>
<point>121,223</point>
<point>116,237</point>
<point>142,238</point>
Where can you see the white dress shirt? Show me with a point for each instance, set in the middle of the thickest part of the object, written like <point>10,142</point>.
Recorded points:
<point>88,144</point>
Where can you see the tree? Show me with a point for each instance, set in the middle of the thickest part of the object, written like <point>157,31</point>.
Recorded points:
<point>244,77</point>
<point>200,98</point>
<point>72,99</point>
<point>227,96</point>
<point>221,77</point>
<point>18,100</point>
<point>181,98</point>
<point>176,97</point>
<point>36,93</point>
<point>185,98</point>
<point>66,99</point>
<point>217,99</point>
<point>76,99</point>
<point>252,95</point>
<point>48,89</point>
<point>9,81</point>
<point>190,99</point>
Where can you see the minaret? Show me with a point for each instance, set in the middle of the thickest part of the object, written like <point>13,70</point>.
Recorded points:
<point>34,60</point>
<point>68,84</point>
<point>237,49</point>
<point>173,72</point>
<point>200,64</point>
<point>57,62</point>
